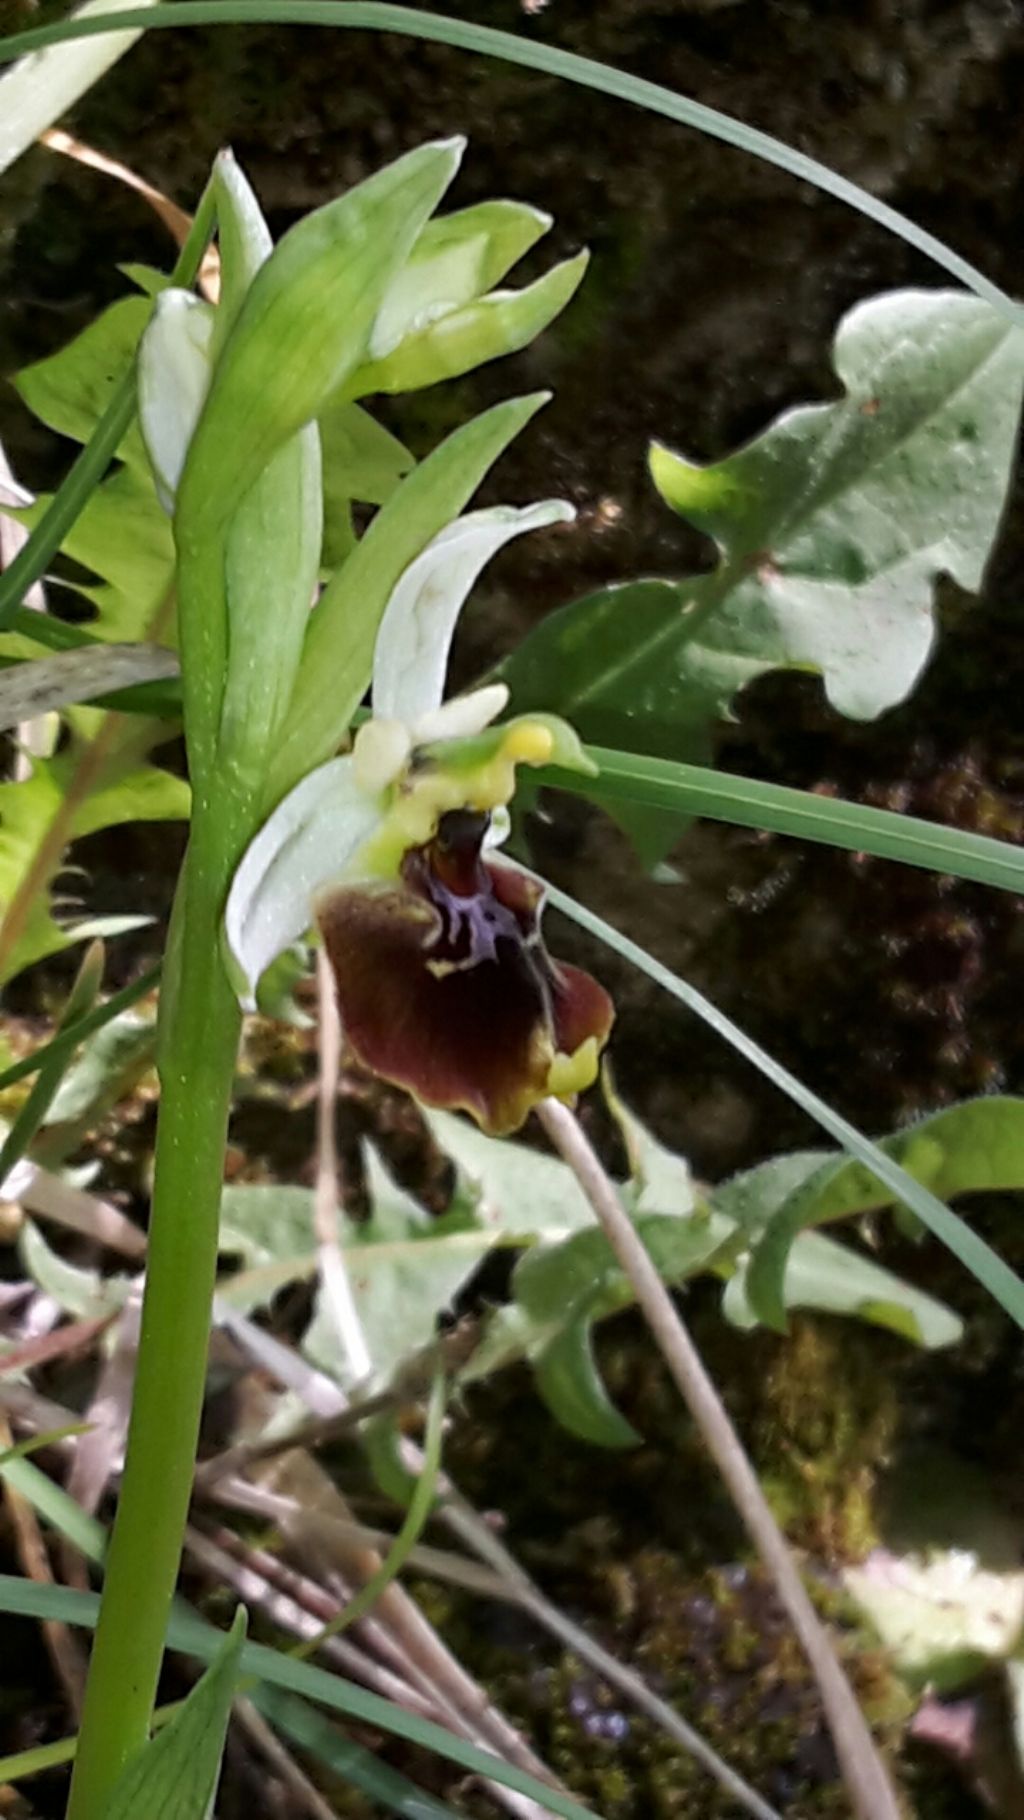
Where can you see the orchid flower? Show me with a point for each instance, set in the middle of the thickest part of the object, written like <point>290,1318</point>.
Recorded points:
<point>444,985</point>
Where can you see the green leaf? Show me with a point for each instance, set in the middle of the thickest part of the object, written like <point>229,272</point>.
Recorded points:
<point>525,1192</point>
<point>942,1620</point>
<point>29,810</point>
<point>271,567</point>
<point>832,527</point>
<point>304,326</point>
<point>967,1148</point>
<point>465,338</point>
<point>188,1633</point>
<point>85,1294</point>
<point>573,1389</point>
<point>125,539</point>
<point>405,1268</point>
<point>314,1735</point>
<point>70,390</point>
<point>629,781</point>
<point>831,1278</point>
<point>343,630</point>
<point>175,1777</point>
<point>361,460</point>
<point>456,259</point>
<point>244,242</point>
<point>110,1066</point>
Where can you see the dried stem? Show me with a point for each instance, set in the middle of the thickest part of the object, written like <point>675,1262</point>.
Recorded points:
<point>333,1272</point>
<point>863,1770</point>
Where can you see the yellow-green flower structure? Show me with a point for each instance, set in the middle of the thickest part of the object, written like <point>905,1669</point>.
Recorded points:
<point>444,984</point>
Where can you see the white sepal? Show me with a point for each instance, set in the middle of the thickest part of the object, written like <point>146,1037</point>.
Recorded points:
<point>419,620</point>
<point>307,843</point>
<point>173,380</point>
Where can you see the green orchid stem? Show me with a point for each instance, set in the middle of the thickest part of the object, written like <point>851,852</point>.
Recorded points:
<point>200,1024</point>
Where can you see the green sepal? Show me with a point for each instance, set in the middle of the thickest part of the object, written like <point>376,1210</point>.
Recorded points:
<point>477,750</point>
<point>479,331</point>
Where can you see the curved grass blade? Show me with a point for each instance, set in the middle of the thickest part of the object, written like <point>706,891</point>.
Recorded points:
<point>983,1263</point>
<point>193,1637</point>
<point>67,1040</point>
<point>462,34</point>
<point>688,790</point>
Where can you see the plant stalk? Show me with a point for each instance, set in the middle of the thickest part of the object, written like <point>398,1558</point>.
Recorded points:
<point>200,1024</point>
<point>864,1773</point>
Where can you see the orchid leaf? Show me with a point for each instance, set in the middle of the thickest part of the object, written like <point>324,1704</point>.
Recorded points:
<point>271,566</point>
<point>485,329</point>
<point>414,640</point>
<point>342,632</point>
<point>175,1776</point>
<point>972,1147</point>
<point>832,527</point>
<point>304,326</point>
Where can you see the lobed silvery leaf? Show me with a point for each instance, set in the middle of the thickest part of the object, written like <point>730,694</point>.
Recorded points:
<point>455,259</point>
<point>416,632</point>
<point>306,843</point>
<point>175,364</point>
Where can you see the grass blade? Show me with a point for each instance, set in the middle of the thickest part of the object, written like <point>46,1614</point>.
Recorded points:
<point>193,1637</point>
<point>977,1257</point>
<point>462,34</point>
<point>661,783</point>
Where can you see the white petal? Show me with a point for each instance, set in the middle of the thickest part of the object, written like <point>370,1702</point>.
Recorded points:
<point>463,716</point>
<point>381,751</point>
<point>174,376</point>
<point>306,843</point>
<point>419,621</point>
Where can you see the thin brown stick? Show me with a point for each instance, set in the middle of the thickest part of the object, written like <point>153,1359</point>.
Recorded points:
<point>62,1647</point>
<point>864,1773</point>
<point>309,1800</point>
<point>334,1277</point>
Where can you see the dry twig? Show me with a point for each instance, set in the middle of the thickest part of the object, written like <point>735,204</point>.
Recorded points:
<point>864,1773</point>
